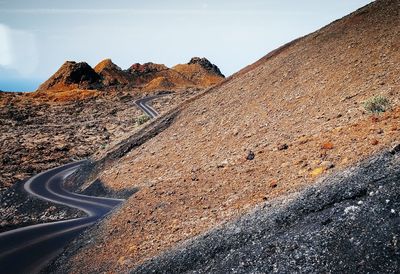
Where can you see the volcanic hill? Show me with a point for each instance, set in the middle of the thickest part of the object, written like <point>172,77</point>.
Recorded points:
<point>274,128</point>
<point>198,73</point>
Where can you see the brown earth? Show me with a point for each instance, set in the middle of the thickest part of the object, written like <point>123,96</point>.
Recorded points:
<point>273,128</point>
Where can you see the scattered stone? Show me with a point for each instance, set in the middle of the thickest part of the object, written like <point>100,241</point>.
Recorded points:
<point>374,119</point>
<point>327,165</point>
<point>374,142</point>
<point>317,171</point>
<point>327,145</point>
<point>224,163</point>
<point>283,147</point>
<point>395,149</point>
<point>351,209</point>
<point>250,156</point>
<point>273,184</point>
<point>322,216</point>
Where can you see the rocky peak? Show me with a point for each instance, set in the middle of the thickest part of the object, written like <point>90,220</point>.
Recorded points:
<point>146,68</point>
<point>72,75</point>
<point>106,64</point>
<point>206,64</point>
<point>111,74</point>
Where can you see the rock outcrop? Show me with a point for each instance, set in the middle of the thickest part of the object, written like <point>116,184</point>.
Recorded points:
<point>72,75</point>
<point>143,74</point>
<point>204,63</point>
<point>200,71</point>
<point>111,74</point>
<point>146,68</point>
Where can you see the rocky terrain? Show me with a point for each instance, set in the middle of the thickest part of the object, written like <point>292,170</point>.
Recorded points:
<point>70,119</point>
<point>40,135</point>
<point>302,112</point>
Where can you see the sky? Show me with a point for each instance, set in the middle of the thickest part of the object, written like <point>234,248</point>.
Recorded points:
<point>38,36</point>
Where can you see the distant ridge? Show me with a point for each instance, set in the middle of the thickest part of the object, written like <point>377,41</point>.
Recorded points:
<point>198,73</point>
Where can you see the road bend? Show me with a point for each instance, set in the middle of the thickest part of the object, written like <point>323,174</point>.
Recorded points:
<point>29,249</point>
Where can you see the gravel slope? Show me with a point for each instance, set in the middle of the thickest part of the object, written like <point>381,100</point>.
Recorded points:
<point>348,223</point>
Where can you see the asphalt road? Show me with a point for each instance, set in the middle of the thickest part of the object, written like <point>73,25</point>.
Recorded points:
<point>29,249</point>
<point>142,104</point>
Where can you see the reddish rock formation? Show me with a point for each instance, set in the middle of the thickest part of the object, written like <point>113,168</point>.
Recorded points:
<point>72,75</point>
<point>111,74</point>
<point>139,69</point>
<point>207,65</point>
<point>198,73</point>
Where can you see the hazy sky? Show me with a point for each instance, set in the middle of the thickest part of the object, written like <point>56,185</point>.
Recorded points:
<point>37,36</point>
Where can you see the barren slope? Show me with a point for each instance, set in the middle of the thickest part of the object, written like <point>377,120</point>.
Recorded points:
<point>42,130</point>
<point>299,110</point>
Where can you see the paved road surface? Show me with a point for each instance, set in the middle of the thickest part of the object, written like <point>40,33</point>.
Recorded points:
<point>142,104</point>
<point>28,249</point>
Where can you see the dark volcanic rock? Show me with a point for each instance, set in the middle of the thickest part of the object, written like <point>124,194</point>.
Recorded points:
<point>206,64</point>
<point>283,146</point>
<point>72,75</point>
<point>348,223</point>
<point>250,155</point>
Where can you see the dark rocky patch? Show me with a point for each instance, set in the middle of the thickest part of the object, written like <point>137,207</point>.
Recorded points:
<point>205,63</point>
<point>75,75</point>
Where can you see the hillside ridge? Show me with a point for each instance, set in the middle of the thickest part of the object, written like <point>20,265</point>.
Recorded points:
<point>198,73</point>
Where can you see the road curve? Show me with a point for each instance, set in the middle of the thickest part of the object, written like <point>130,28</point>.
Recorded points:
<point>142,104</point>
<point>29,249</point>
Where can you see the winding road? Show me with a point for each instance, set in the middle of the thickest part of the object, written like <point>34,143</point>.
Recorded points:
<point>29,249</point>
<point>142,104</point>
